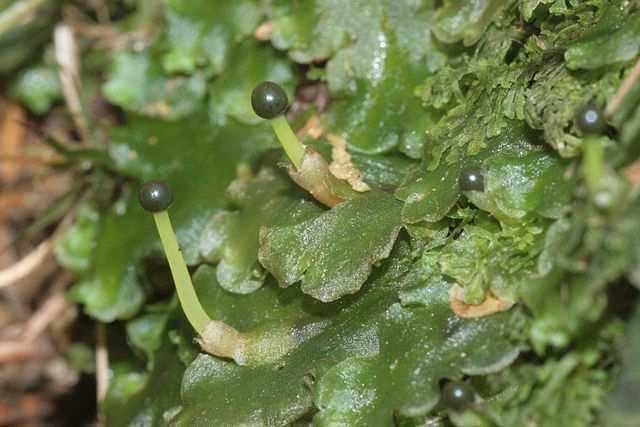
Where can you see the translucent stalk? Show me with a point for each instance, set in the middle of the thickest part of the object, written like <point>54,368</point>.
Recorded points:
<point>593,163</point>
<point>184,287</point>
<point>289,141</point>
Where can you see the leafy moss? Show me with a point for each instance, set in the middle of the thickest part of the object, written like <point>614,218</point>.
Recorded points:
<point>611,253</point>
<point>485,258</point>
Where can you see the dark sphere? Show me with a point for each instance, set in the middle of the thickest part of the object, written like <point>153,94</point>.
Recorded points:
<point>590,120</point>
<point>269,100</point>
<point>471,179</point>
<point>155,196</point>
<point>457,395</point>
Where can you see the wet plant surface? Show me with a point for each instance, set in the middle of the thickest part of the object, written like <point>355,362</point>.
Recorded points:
<point>432,219</point>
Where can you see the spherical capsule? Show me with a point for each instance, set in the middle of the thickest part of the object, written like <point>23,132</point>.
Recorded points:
<point>590,120</point>
<point>269,100</point>
<point>471,179</point>
<point>155,196</point>
<point>457,395</point>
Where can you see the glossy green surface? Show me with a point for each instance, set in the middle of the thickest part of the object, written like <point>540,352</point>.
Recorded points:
<point>353,353</point>
<point>346,312</point>
<point>149,149</point>
<point>230,238</point>
<point>331,253</point>
<point>377,53</point>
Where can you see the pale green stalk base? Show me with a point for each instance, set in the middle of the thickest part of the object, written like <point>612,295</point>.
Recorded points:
<point>593,163</point>
<point>292,146</point>
<point>186,294</point>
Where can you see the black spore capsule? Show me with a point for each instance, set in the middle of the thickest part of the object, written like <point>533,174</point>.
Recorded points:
<point>590,120</point>
<point>155,196</point>
<point>471,179</point>
<point>457,395</point>
<point>269,100</point>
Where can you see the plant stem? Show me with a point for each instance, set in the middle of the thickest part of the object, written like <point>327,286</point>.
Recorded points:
<point>593,163</point>
<point>292,146</point>
<point>184,287</point>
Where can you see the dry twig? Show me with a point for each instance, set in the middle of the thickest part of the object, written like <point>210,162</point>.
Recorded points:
<point>102,362</point>
<point>52,309</point>
<point>16,351</point>
<point>66,50</point>
<point>27,265</point>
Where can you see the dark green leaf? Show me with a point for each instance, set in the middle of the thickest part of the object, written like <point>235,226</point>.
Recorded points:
<point>38,88</point>
<point>231,237</point>
<point>614,39</point>
<point>203,33</point>
<point>396,353</point>
<point>429,195</point>
<point>374,76</point>
<point>198,170</point>
<point>74,250</point>
<point>465,20</point>
<point>144,399</point>
<point>138,85</point>
<point>230,94</point>
<point>332,253</point>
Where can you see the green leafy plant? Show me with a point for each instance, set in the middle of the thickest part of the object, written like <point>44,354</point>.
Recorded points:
<point>440,227</point>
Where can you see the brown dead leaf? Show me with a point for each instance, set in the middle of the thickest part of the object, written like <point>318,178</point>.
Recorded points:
<point>632,173</point>
<point>489,306</point>
<point>264,31</point>
<point>311,129</point>
<point>12,135</point>
<point>342,167</point>
<point>24,409</point>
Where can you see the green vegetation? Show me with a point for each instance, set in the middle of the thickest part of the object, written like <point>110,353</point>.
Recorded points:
<point>486,275</point>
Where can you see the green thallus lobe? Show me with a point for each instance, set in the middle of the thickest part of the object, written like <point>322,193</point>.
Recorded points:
<point>269,101</point>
